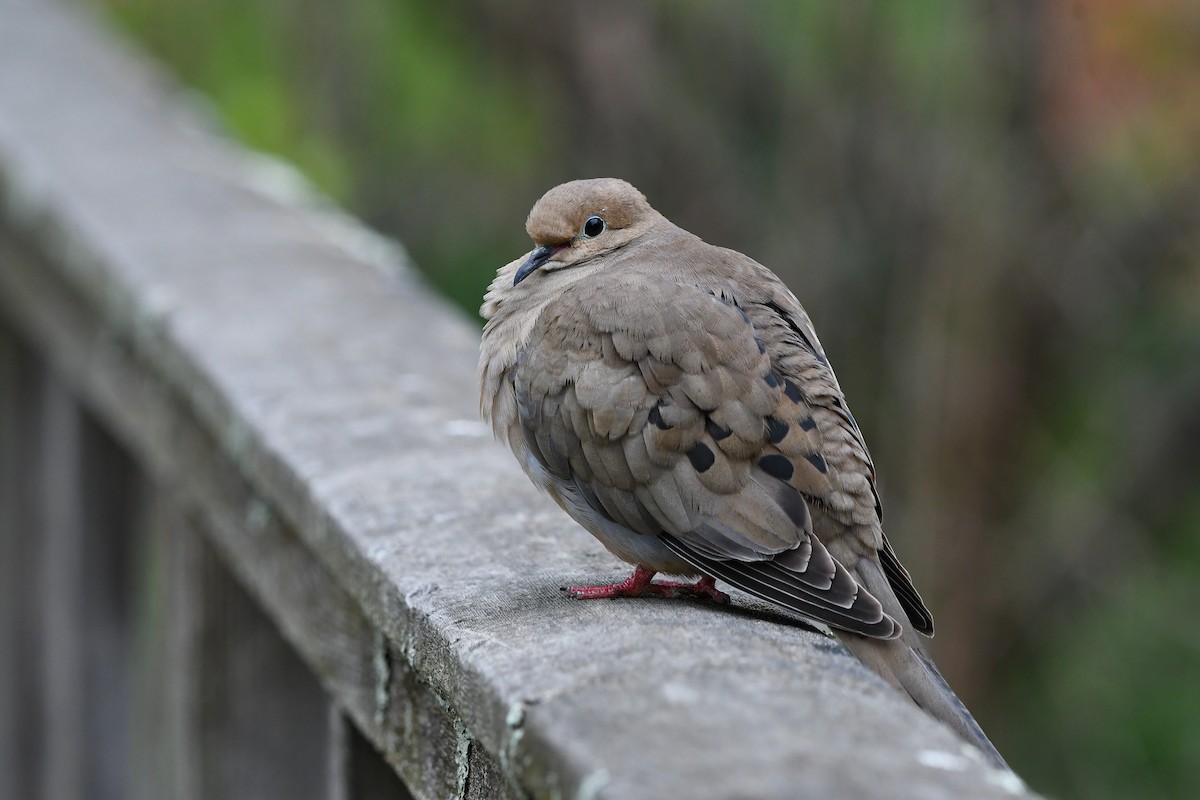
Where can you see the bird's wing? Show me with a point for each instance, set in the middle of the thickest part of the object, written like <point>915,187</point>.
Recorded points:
<point>661,404</point>
<point>848,496</point>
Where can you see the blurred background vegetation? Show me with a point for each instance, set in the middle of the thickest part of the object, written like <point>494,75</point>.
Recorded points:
<point>989,208</point>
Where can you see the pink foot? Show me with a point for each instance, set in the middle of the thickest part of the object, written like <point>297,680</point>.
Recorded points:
<point>640,584</point>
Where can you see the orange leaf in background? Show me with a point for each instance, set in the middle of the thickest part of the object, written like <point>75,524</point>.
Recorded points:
<point>1123,84</point>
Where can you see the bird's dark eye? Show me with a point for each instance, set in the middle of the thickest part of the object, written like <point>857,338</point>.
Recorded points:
<point>594,227</point>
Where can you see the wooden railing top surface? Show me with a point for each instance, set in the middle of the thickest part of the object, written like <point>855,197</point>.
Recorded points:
<point>196,293</point>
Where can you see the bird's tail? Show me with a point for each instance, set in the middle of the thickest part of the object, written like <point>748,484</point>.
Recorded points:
<point>911,671</point>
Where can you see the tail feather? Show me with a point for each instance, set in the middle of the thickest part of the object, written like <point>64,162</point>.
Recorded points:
<point>914,674</point>
<point>903,662</point>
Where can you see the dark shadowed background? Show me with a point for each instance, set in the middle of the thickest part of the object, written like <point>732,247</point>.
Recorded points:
<point>989,209</point>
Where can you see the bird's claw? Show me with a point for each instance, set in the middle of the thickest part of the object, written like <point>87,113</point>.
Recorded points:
<point>640,585</point>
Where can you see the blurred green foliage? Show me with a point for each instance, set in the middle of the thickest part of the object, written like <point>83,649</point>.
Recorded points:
<point>359,99</point>
<point>237,54</point>
<point>989,208</point>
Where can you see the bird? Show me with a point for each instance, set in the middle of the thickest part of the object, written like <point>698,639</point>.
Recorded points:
<point>673,398</point>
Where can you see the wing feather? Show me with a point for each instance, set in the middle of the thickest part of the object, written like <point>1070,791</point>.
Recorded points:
<point>686,425</point>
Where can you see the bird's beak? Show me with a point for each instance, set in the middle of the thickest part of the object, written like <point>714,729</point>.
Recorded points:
<point>538,257</point>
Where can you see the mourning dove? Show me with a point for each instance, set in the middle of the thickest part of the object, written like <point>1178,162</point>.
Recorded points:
<point>673,398</point>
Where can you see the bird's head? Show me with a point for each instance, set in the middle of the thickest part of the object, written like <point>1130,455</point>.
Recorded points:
<point>576,222</point>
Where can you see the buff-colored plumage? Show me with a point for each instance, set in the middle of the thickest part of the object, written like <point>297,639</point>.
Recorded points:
<point>674,399</point>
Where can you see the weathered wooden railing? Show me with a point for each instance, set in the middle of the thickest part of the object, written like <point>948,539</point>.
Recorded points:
<point>254,543</point>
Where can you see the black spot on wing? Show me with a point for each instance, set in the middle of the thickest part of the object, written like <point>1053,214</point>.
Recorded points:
<point>716,431</point>
<point>701,457</point>
<point>777,430</point>
<point>657,418</point>
<point>807,424</point>
<point>777,467</point>
<point>793,392</point>
<point>818,461</point>
<point>772,379</point>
